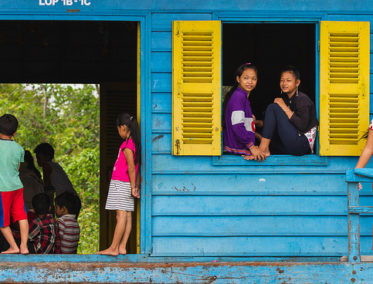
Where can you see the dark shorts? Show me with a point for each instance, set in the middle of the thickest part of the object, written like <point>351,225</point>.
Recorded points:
<point>12,207</point>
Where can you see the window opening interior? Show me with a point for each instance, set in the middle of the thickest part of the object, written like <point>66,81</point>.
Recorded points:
<point>270,47</point>
<point>103,53</point>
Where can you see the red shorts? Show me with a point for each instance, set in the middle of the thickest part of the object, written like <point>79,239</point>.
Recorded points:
<point>12,206</point>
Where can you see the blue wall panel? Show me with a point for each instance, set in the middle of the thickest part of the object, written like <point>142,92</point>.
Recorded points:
<point>203,206</point>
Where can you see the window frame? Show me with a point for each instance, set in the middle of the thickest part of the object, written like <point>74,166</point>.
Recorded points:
<point>275,18</point>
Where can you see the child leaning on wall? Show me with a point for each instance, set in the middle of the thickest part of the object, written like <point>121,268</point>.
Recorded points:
<point>11,188</point>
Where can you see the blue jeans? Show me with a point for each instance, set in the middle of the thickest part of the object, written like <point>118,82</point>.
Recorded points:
<point>285,138</point>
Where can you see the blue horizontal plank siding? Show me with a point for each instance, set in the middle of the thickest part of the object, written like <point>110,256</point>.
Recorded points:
<point>161,82</point>
<point>161,143</point>
<point>244,246</point>
<point>162,22</point>
<point>255,246</point>
<point>161,61</point>
<point>162,102</point>
<point>211,226</point>
<point>161,122</point>
<point>251,226</point>
<point>250,205</point>
<point>253,184</point>
<point>162,41</point>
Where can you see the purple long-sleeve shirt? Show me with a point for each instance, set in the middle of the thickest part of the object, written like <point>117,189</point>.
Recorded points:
<point>239,131</point>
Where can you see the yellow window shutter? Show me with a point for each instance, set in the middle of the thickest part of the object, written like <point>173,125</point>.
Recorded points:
<point>344,87</point>
<point>196,88</point>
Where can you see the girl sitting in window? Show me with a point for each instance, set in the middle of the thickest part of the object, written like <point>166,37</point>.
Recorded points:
<point>290,123</point>
<point>238,120</point>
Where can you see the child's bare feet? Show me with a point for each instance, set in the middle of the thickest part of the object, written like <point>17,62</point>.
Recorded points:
<point>24,249</point>
<point>11,250</point>
<point>248,158</point>
<point>109,251</point>
<point>122,251</point>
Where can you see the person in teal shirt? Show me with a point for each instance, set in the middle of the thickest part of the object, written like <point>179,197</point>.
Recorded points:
<point>12,206</point>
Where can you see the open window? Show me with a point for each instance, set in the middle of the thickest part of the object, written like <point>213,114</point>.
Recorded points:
<point>342,95</point>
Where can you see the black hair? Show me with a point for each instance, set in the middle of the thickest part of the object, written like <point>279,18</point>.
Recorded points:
<point>41,203</point>
<point>30,163</point>
<point>45,149</point>
<point>238,73</point>
<point>131,122</point>
<point>8,124</point>
<point>291,69</point>
<point>70,200</point>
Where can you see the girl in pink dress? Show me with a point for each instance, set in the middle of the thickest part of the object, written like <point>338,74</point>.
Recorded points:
<point>124,184</point>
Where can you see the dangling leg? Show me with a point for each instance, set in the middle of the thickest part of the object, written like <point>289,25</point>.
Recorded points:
<point>269,128</point>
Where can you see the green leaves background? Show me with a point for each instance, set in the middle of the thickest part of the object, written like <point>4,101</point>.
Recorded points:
<point>67,117</point>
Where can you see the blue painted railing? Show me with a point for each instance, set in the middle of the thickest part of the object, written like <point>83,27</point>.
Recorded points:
<point>353,178</point>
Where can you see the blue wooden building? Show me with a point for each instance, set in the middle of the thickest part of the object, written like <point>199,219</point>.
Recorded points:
<point>204,216</point>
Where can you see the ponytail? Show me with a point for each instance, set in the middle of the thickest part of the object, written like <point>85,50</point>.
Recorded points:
<point>131,122</point>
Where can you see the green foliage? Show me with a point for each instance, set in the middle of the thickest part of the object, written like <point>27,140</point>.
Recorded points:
<point>67,117</point>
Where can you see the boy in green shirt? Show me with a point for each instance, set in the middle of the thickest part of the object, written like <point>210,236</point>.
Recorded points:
<point>11,188</point>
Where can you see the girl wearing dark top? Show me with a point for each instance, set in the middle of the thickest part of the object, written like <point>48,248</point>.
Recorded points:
<point>290,123</point>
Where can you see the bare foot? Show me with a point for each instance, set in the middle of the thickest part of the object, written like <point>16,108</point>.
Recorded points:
<point>122,251</point>
<point>24,250</point>
<point>109,251</point>
<point>248,158</point>
<point>11,251</point>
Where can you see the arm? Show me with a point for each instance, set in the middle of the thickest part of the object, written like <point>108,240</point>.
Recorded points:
<point>367,151</point>
<point>57,249</point>
<point>61,228</point>
<point>289,113</point>
<point>301,116</point>
<point>138,180</point>
<point>131,169</point>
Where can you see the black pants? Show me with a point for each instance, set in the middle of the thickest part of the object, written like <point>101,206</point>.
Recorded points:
<point>285,138</point>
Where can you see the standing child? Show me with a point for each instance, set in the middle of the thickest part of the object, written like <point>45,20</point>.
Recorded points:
<point>239,121</point>
<point>43,227</point>
<point>11,188</point>
<point>124,182</point>
<point>67,206</point>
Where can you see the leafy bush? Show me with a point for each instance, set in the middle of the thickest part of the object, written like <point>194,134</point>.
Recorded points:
<point>67,117</point>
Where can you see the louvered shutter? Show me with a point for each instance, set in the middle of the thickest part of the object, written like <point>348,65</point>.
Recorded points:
<point>344,87</point>
<point>196,88</point>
